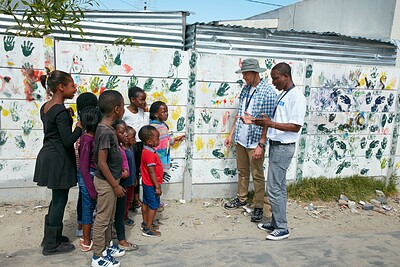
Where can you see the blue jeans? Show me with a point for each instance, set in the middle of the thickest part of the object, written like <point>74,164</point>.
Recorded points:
<point>150,198</point>
<point>88,204</point>
<point>280,157</point>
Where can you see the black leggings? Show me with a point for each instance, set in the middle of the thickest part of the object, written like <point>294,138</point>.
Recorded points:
<point>138,157</point>
<point>119,221</point>
<point>57,205</point>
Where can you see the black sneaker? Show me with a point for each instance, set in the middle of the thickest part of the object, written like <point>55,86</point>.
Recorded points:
<point>234,204</point>
<point>257,215</point>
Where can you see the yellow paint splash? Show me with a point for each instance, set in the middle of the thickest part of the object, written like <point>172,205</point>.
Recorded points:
<point>159,96</point>
<point>391,84</point>
<point>10,63</point>
<point>48,42</point>
<point>174,100</point>
<point>361,80</point>
<point>176,113</point>
<point>397,165</point>
<point>176,145</point>
<point>199,143</point>
<point>5,112</point>
<point>211,144</point>
<point>204,88</point>
<point>103,69</point>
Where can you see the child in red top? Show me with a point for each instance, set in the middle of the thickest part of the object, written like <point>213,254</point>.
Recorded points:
<point>152,175</point>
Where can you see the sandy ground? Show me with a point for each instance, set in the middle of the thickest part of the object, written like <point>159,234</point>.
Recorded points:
<point>21,224</point>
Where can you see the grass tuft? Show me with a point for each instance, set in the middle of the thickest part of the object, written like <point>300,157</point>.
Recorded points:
<point>329,189</point>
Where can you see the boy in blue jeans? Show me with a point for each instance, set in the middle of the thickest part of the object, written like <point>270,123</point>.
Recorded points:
<point>152,175</point>
<point>108,161</point>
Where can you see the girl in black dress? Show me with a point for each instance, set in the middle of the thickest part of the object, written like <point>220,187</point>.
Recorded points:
<point>56,163</point>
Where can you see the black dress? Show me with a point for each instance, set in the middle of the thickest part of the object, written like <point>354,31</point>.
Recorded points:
<point>56,163</point>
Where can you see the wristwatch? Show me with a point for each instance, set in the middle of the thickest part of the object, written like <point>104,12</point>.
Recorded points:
<point>262,145</point>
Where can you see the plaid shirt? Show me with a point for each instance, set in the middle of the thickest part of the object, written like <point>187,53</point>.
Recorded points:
<point>264,101</point>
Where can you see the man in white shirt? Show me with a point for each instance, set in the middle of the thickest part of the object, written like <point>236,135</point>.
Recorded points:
<point>283,133</point>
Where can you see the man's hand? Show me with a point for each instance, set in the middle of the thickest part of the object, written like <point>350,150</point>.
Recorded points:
<point>228,141</point>
<point>247,118</point>
<point>265,121</point>
<point>257,153</point>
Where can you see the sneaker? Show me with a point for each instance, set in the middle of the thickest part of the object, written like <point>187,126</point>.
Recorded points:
<point>233,204</point>
<point>265,227</point>
<point>152,227</point>
<point>278,235</point>
<point>150,233</point>
<point>115,251</point>
<point>257,215</point>
<point>106,260</point>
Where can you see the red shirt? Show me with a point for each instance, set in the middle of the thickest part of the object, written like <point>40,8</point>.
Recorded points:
<point>150,158</point>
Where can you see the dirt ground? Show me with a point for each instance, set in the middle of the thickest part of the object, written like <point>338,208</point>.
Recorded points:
<point>21,224</point>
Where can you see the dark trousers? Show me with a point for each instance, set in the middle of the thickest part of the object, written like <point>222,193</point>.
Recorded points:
<point>57,205</point>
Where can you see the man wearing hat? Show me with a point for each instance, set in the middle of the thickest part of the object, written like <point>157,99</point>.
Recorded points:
<point>256,98</point>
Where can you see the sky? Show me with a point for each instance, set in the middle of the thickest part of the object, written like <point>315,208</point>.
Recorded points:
<point>201,10</point>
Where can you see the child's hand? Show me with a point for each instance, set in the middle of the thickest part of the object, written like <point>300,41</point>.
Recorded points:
<point>158,191</point>
<point>119,191</point>
<point>180,138</point>
<point>125,174</point>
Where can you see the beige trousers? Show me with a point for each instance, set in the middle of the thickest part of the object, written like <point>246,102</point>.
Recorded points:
<point>246,165</point>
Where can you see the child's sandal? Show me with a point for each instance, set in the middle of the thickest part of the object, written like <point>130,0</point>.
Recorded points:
<point>86,248</point>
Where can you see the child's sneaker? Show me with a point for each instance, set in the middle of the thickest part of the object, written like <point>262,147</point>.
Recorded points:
<point>115,251</point>
<point>150,233</point>
<point>152,227</point>
<point>106,260</point>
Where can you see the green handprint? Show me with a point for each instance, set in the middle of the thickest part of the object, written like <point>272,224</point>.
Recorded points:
<point>19,141</point>
<point>191,98</point>
<point>133,81</point>
<point>28,67</point>
<point>240,82</point>
<point>27,48</point>
<point>95,83</point>
<point>269,63</point>
<point>191,116</point>
<point>9,42</point>
<point>222,89</point>
<point>216,153</point>
<point>379,154</point>
<point>193,60</point>
<point>192,79</point>
<point>27,126</point>
<point>206,116</point>
<point>117,59</point>
<point>180,125</point>
<point>3,137</point>
<point>148,84</point>
<point>230,172</point>
<point>364,171</point>
<point>215,174</point>
<point>175,85</point>
<point>177,59</point>
<point>112,82</point>
<point>14,111</point>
